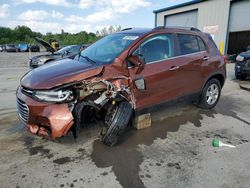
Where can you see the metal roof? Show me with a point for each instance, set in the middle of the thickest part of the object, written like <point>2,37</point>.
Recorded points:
<point>179,6</point>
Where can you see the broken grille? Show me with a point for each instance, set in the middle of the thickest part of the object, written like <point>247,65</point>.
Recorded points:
<point>23,110</point>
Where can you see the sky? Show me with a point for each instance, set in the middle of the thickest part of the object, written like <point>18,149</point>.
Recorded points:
<point>80,15</point>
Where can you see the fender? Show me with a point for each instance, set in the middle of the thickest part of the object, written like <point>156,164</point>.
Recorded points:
<point>215,74</point>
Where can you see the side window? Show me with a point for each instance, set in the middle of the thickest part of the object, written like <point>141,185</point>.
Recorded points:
<point>201,44</point>
<point>188,44</point>
<point>156,48</point>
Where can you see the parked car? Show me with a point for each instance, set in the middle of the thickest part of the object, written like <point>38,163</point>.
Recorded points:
<point>22,47</point>
<point>2,48</point>
<point>66,52</point>
<point>34,48</point>
<point>242,65</point>
<point>11,48</point>
<point>120,75</point>
<point>248,48</point>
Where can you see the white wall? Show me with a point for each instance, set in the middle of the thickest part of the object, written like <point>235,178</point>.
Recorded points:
<point>182,19</point>
<point>213,13</point>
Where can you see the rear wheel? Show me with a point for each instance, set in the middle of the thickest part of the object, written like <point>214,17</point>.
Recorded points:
<point>210,94</point>
<point>117,118</point>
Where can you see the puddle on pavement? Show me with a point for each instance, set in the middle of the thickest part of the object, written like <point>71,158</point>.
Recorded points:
<point>29,140</point>
<point>125,158</point>
<point>227,107</point>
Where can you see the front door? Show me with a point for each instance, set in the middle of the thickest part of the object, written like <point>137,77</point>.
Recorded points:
<point>160,73</point>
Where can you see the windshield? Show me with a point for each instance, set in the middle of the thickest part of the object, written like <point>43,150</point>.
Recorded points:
<point>108,48</point>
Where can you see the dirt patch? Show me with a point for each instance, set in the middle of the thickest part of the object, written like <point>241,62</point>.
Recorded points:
<point>62,160</point>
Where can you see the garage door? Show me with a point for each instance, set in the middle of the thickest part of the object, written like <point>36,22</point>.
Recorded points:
<point>239,16</point>
<point>185,19</point>
<point>239,27</point>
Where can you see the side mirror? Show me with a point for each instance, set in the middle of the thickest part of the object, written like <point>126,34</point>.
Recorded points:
<point>138,63</point>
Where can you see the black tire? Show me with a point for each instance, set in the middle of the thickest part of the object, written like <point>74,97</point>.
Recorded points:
<point>203,103</point>
<point>77,113</point>
<point>82,116</point>
<point>118,124</point>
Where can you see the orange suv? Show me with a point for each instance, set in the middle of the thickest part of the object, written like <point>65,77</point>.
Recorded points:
<point>118,76</point>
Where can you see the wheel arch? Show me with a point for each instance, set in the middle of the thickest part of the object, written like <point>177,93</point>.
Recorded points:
<point>219,76</point>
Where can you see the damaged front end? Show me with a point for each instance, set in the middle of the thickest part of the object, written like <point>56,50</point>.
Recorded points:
<point>53,113</point>
<point>95,86</point>
<point>101,100</point>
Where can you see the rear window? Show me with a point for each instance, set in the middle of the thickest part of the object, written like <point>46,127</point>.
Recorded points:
<point>190,44</point>
<point>202,46</point>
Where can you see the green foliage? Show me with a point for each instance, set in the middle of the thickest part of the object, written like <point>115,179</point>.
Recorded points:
<point>68,39</point>
<point>108,30</point>
<point>17,35</point>
<point>23,34</point>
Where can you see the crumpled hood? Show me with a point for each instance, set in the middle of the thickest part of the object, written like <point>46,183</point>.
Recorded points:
<point>245,54</point>
<point>58,73</point>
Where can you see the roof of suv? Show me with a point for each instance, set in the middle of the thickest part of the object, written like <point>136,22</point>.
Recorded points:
<point>136,30</point>
<point>148,30</point>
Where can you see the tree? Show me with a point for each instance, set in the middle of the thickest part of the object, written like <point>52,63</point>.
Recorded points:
<point>25,34</point>
<point>106,31</point>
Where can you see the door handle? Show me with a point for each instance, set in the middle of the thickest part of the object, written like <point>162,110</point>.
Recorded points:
<point>174,68</point>
<point>205,58</point>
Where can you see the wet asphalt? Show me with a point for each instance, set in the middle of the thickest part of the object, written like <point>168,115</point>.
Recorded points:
<point>175,151</point>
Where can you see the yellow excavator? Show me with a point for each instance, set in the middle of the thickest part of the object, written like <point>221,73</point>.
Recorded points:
<point>54,44</point>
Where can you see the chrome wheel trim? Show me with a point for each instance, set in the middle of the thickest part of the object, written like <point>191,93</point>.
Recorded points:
<point>212,94</point>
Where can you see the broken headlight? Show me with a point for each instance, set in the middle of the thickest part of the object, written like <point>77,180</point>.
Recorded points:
<point>54,96</point>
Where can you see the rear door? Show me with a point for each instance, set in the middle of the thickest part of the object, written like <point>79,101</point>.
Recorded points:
<point>192,54</point>
<point>161,80</point>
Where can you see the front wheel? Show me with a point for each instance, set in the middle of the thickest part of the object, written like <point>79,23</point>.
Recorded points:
<point>210,94</point>
<point>117,119</point>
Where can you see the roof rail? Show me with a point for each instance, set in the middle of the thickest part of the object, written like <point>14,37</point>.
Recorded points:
<point>159,27</point>
<point>129,28</point>
<point>194,29</point>
<point>178,27</point>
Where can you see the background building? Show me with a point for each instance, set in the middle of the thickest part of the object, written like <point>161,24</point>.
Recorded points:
<point>228,21</point>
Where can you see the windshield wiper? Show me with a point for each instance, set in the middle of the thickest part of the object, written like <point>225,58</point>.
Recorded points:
<point>87,58</point>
